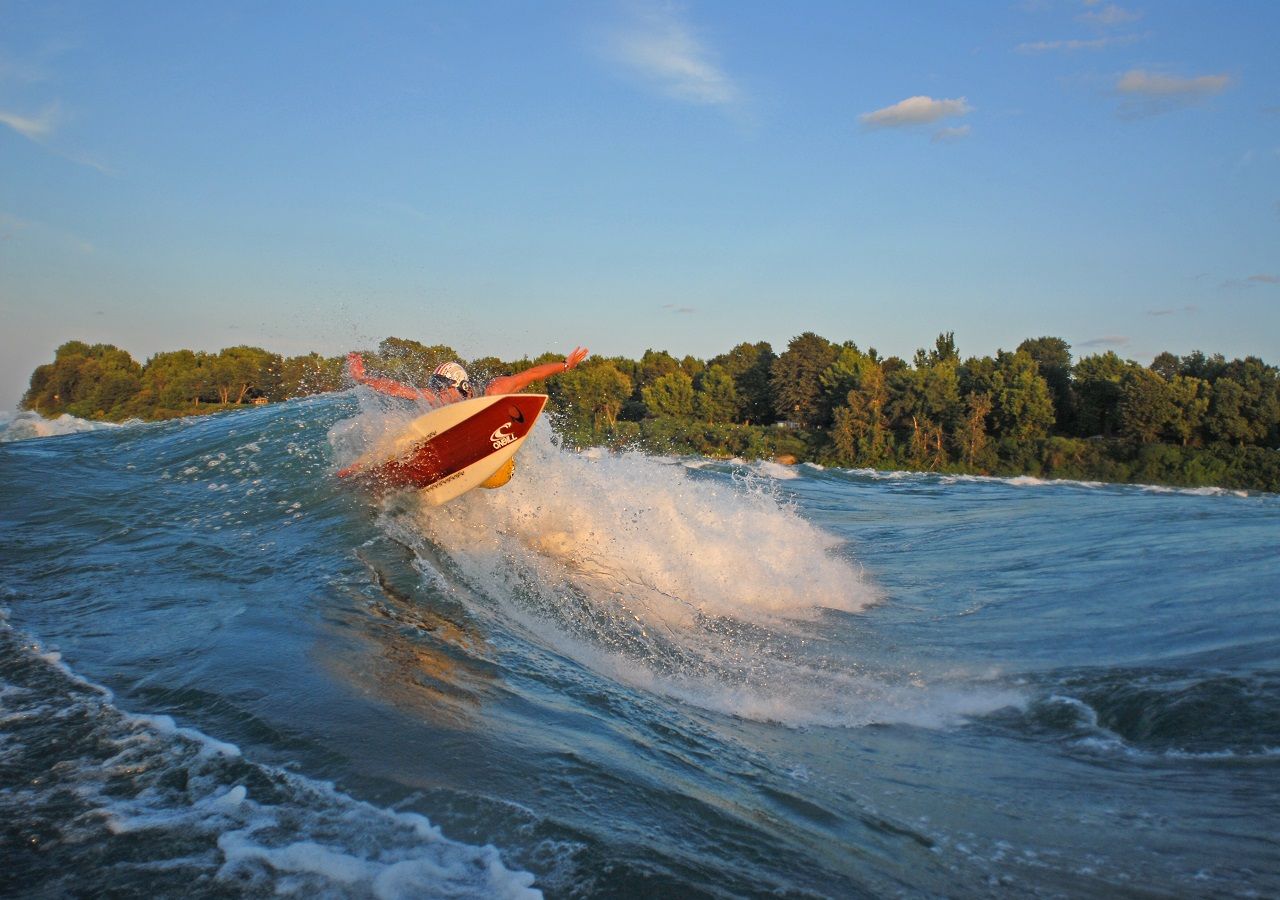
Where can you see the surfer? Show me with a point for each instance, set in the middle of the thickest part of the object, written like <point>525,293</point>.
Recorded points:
<point>450,383</point>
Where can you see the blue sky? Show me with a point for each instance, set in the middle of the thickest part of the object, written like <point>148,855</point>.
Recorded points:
<point>509,178</point>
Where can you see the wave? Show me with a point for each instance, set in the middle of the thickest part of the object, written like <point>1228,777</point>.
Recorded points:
<point>702,583</point>
<point>25,425</point>
<point>1032,481</point>
<point>1160,714</point>
<point>104,798</point>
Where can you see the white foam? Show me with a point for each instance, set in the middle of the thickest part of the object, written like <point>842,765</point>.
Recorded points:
<point>634,530</point>
<point>300,836</point>
<point>166,725</point>
<point>771,469</point>
<point>801,696</point>
<point>715,592</point>
<point>25,425</point>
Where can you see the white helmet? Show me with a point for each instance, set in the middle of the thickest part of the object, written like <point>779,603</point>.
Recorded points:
<point>450,375</point>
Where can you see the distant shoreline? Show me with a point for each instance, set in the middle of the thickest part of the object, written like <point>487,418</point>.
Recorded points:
<point>1194,421</point>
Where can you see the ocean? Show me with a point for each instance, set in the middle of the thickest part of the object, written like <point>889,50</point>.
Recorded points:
<point>224,673</point>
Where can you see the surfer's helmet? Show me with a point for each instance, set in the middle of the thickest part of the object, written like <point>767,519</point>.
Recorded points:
<point>450,375</point>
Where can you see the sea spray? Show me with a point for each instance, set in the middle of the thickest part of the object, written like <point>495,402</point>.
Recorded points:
<point>25,425</point>
<point>708,588</point>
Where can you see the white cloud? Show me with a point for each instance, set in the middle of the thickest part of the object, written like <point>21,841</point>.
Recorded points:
<point>1265,279</point>
<point>1118,40</point>
<point>1140,82</point>
<point>1109,16</point>
<point>1147,93</point>
<point>915,111</point>
<point>951,135</point>
<point>660,47</point>
<point>1108,340</point>
<point>34,128</point>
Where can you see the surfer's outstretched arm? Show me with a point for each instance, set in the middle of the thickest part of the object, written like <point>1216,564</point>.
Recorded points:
<point>355,367</point>
<point>510,384</point>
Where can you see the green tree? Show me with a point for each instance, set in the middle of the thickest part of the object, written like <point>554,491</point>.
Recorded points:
<point>924,405</point>
<point>1098,382</point>
<point>860,430</point>
<point>670,396</point>
<point>1227,419</point>
<point>971,437</point>
<point>692,366</point>
<point>653,365</point>
<point>944,349</point>
<point>1053,357</point>
<point>1198,365</point>
<point>592,394</point>
<point>797,389</point>
<point>716,396</point>
<point>1191,405</point>
<point>837,379</point>
<point>301,376</point>
<point>1261,401</point>
<point>1022,407</point>
<point>1147,406</point>
<point>1166,365</point>
<point>91,381</point>
<point>750,365</point>
<point>241,372</point>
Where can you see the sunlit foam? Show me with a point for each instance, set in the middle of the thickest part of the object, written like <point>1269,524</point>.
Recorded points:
<point>21,426</point>
<point>640,531</point>
<point>712,590</point>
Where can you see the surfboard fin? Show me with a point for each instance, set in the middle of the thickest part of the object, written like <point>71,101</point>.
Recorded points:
<point>502,476</point>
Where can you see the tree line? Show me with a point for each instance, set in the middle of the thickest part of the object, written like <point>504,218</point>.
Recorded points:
<point>1190,420</point>
<point>101,381</point>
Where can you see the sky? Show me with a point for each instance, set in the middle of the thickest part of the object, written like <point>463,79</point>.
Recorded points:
<point>511,178</point>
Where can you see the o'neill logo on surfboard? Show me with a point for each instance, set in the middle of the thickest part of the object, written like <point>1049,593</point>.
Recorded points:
<point>502,436</point>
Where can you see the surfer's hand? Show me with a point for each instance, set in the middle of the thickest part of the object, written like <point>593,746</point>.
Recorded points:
<point>577,356</point>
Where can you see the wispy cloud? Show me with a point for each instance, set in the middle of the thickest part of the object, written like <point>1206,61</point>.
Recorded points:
<point>915,111</point>
<point>1153,84</point>
<point>682,310</point>
<point>1189,309</point>
<point>952,134</point>
<point>1108,340</point>
<point>35,128</point>
<point>1109,16</point>
<point>1068,46</point>
<point>1252,281</point>
<point>1148,93</point>
<point>41,127</point>
<point>660,47</point>
<point>19,229</point>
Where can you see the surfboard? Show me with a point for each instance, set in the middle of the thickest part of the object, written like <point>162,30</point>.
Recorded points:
<point>453,449</point>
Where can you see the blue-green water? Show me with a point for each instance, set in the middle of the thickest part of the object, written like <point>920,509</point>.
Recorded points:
<point>223,673</point>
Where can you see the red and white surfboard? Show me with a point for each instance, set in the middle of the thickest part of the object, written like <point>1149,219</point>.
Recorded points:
<point>453,449</point>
